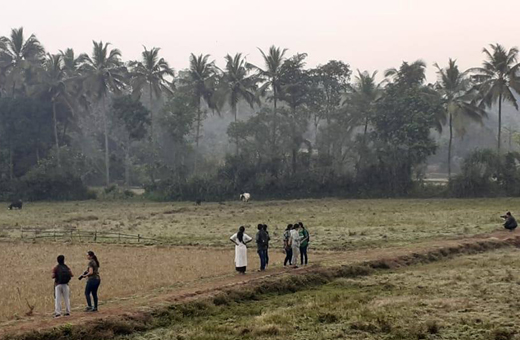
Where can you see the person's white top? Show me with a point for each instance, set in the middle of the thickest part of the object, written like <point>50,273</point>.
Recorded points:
<point>295,238</point>
<point>240,250</point>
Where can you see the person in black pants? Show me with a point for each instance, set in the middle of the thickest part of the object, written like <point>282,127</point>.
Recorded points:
<point>510,222</point>
<point>267,248</point>
<point>286,246</point>
<point>93,281</point>
<point>304,237</point>
<point>261,243</point>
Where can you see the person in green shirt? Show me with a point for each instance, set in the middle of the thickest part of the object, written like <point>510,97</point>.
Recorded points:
<point>304,243</point>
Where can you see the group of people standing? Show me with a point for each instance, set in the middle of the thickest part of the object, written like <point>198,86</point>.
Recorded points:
<point>62,275</point>
<point>295,244</point>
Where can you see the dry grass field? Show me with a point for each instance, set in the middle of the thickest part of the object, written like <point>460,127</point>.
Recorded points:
<point>333,223</point>
<point>126,272</point>
<point>469,298</point>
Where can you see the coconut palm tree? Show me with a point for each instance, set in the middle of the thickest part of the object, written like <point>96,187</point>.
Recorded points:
<point>202,78</point>
<point>454,87</point>
<point>408,74</point>
<point>237,84</point>
<point>497,79</point>
<point>53,84</point>
<point>103,73</point>
<point>151,72</point>
<point>18,56</point>
<point>271,74</point>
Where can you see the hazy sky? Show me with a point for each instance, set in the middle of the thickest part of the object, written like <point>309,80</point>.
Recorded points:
<point>367,34</point>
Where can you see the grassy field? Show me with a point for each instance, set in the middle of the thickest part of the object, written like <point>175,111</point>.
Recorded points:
<point>127,272</point>
<point>473,297</point>
<point>333,223</point>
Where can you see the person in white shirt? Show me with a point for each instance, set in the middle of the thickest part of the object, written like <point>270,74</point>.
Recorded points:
<point>240,240</point>
<point>294,241</point>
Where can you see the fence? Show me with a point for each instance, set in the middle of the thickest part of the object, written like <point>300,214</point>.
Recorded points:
<point>74,234</point>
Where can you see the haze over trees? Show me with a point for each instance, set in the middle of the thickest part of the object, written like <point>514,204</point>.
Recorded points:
<point>69,120</point>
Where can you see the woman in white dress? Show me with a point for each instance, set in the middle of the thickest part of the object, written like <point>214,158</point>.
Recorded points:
<point>240,240</point>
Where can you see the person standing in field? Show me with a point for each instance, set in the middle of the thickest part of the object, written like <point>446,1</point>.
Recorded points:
<point>304,243</point>
<point>261,244</point>
<point>295,244</point>
<point>240,239</point>
<point>287,246</point>
<point>267,249</point>
<point>93,281</point>
<point>61,275</point>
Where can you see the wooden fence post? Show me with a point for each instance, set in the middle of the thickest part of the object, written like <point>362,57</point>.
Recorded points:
<point>119,237</point>
<point>138,238</point>
<point>22,232</point>
<point>95,235</point>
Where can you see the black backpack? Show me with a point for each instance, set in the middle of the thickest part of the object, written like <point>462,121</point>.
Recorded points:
<point>63,274</point>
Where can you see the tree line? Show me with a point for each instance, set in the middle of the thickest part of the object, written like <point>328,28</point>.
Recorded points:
<point>68,120</point>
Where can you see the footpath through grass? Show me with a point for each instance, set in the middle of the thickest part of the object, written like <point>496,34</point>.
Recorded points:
<point>472,297</point>
<point>333,223</point>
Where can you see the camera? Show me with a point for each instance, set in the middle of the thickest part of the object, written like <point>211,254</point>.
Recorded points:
<point>504,216</point>
<point>82,276</point>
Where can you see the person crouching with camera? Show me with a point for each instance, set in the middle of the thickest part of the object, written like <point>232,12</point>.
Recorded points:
<point>510,222</point>
<point>61,275</point>
<point>93,281</point>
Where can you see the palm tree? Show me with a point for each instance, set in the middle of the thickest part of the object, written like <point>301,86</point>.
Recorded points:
<point>237,84</point>
<point>454,87</point>
<point>364,94</point>
<point>202,77</point>
<point>18,55</point>
<point>408,74</point>
<point>151,72</point>
<point>497,80</point>
<point>53,83</point>
<point>271,74</point>
<point>72,65</point>
<point>104,73</point>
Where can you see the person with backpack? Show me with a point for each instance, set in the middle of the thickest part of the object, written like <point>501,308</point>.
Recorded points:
<point>240,239</point>
<point>61,274</point>
<point>295,244</point>
<point>304,243</point>
<point>267,249</point>
<point>286,246</point>
<point>261,244</point>
<point>93,281</point>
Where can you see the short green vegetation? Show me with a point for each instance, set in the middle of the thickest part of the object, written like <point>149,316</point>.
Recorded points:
<point>473,297</point>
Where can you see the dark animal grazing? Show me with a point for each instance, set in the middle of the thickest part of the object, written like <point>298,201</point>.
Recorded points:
<point>16,205</point>
<point>198,201</point>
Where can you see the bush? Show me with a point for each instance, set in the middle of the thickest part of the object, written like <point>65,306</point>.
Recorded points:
<point>52,184</point>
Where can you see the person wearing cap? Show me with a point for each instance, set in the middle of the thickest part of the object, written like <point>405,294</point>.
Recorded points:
<point>93,281</point>
<point>510,222</point>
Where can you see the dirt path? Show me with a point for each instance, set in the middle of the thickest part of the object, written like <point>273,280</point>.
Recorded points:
<point>211,286</point>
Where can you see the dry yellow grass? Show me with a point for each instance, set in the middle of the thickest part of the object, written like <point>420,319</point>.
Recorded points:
<point>126,271</point>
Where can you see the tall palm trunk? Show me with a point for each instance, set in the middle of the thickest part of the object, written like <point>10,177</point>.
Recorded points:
<point>197,135</point>
<point>234,108</point>
<point>105,127</point>
<point>127,161</point>
<point>151,117</point>
<point>499,122</point>
<point>275,97</point>
<point>55,121</point>
<point>449,146</point>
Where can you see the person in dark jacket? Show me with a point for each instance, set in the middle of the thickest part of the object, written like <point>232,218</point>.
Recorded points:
<point>286,246</point>
<point>267,250</point>
<point>61,275</point>
<point>510,222</point>
<point>261,244</point>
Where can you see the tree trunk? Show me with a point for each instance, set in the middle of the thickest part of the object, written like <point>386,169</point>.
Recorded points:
<point>127,162</point>
<point>275,99</point>
<point>55,121</point>
<point>105,127</point>
<point>449,146</point>
<point>234,108</point>
<point>197,135</point>
<point>151,117</point>
<point>11,165</point>
<point>499,122</point>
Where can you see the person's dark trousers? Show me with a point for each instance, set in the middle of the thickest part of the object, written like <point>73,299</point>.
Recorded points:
<point>92,288</point>
<point>288,257</point>
<point>303,255</point>
<point>510,228</point>
<point>262,255</point>
<point>267,257</point>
